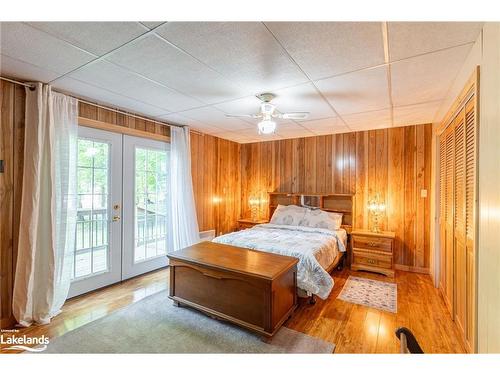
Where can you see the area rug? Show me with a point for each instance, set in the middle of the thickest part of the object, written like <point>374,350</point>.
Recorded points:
<point>154,325</point>
<point>372,293</point>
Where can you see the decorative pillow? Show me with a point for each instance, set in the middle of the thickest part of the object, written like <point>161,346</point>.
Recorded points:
<point>321,219</point>
<point>288,215</point>
<point>337,219</point>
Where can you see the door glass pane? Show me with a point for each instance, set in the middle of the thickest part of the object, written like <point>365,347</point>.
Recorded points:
<point>92,228</point>
<point>150,225</point>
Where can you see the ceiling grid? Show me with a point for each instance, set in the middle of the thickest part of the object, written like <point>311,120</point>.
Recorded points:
<point>349,76</point>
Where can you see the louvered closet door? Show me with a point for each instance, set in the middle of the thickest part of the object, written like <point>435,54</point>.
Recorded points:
<point>457,215</point>
<point>449,221</point>
<point>470,228</point>
<point>459,223</point>
<point>442,210</point>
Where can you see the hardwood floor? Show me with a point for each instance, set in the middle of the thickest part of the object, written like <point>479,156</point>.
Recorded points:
<point>358,329</point>
<point>353,328</point>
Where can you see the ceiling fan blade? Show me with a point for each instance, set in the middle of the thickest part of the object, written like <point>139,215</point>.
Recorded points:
<point>295,115</point>
<point>250,116</point>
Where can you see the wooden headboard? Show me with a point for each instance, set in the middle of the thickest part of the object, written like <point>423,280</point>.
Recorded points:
<point>342,203</point>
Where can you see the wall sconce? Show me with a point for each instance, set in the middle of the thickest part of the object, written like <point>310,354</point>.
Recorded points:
<point>376,208</point>
<point>254,204</point>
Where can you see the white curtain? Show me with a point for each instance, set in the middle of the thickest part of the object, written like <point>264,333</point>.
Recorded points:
<point>183,211</point>
<point>48,207</point>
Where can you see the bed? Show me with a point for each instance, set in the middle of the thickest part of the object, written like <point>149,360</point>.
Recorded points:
<point>319,248</point>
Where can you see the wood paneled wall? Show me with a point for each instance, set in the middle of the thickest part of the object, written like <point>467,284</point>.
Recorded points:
<point>100,114</point>
<point>215,166</point>
<point>395,163</point>
<point>12,99</point>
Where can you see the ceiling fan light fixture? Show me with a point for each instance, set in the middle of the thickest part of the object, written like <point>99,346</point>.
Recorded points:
<point>266,127</point>
<point>267,108</point>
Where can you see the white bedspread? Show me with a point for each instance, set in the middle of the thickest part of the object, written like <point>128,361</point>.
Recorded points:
<point>316,248</point>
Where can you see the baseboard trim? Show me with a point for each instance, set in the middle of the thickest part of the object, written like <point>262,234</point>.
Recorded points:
<point>402,267</point>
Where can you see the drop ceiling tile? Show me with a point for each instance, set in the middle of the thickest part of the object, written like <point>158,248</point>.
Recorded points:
<point>97,94</point>
<point>324,49</point>
<point>176,119</point>
<point>95,37</point>
<point>472,60</point>
<point>158,60</point>
<point>293,130</point>
<point>302,98</point>
<point>361,91</point>
<point>252,133</point>
<point>244,52</point>
<point>324,126</point>
<point>193,124</point>
<point>113,78</point>
<point>152,24</point>
<point>427,77</point>
<point>423,113</point>
<point>234,136</point>
<point>408,39</point>
<point>244,106</point>
<point>369,120</point>
<point>216,118</point>
<point>25,43</point>
<point>24,71</point>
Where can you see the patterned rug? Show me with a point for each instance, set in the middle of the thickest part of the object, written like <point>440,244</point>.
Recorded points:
<point>372,293</point>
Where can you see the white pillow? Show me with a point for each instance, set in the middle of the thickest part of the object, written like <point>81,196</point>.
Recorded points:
<point>321,219</point>
<point>337,219</point>
<point>288,215</point>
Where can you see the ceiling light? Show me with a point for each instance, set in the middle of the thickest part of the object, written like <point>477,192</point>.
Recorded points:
<point>267,108</point>
<point>266,127</point>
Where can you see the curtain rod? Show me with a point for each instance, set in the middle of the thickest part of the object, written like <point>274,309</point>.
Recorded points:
<point>32,87</point>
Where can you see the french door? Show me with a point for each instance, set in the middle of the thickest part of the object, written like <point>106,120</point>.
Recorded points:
<point>145,197</point>
<point>122,208</point>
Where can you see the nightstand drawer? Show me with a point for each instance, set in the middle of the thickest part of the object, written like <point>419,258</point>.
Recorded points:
<point>372,259</point>
<point>372,243</point>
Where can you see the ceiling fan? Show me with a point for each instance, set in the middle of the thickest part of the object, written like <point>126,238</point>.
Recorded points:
<point>268,112</point>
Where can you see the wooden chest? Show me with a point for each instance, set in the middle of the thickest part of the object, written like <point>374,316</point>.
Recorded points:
<point>253,289</point>
<point>373,251</point>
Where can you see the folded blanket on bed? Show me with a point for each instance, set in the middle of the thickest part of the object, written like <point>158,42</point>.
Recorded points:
<point>316,248</point>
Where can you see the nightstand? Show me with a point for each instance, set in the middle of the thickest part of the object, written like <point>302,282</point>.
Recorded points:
<point>373,251</point>
<point>249,223</point>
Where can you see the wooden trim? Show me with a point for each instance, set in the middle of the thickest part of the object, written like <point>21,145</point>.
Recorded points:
<point>470,88</point>
<point>310,194</point>
<point>121,129</point>
<point>344,204</point>
<point>402,267</point>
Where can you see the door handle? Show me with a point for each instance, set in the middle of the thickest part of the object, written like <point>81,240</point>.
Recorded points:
<point>116,218</point>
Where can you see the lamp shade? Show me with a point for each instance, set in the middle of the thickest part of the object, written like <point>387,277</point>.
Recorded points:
<point>266,127</point>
